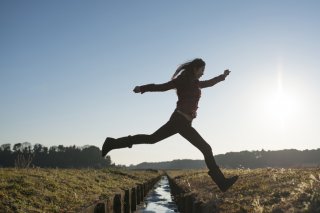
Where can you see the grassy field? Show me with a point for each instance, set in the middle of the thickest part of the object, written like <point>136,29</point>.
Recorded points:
<point>62,190</point>
<point>257,190</point>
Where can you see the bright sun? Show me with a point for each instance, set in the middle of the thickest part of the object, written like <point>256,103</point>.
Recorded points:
<point>280,105</point>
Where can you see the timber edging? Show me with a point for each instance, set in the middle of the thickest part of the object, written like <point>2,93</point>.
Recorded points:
<point>125,201</point>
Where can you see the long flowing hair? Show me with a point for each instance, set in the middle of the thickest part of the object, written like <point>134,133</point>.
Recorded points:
<point>186,70</point>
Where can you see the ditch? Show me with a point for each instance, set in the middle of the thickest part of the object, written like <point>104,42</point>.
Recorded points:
<point>159,199</point>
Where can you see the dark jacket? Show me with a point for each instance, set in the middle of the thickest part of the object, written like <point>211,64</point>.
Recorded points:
<point>188,93</point>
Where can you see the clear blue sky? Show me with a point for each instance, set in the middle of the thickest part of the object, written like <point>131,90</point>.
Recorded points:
<point>67,70</point>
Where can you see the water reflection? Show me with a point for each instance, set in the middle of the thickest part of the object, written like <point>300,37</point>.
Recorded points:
<point>159,200</point>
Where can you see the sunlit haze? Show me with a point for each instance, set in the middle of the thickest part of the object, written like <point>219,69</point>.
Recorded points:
<point>68,68</point>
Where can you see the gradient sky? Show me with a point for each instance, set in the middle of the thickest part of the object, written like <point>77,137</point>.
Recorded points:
<point>67,70</point>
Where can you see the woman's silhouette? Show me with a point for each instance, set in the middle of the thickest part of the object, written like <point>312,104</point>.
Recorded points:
<point>188,89</point>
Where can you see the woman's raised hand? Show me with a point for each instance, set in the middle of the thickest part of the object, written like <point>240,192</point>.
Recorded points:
<point>226,72</point>
<point>137,89</point>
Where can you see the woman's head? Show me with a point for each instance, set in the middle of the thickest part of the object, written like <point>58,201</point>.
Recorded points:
<point>192,69</point>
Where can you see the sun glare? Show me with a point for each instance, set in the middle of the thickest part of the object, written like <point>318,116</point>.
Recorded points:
<point>280,105</point>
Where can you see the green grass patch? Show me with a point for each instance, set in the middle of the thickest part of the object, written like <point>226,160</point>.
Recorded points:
<point>257,190</point>
<point>60,190</point>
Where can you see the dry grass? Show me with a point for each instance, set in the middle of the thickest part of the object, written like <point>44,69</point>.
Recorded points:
<point>61,190</point>
<point>257,190</point>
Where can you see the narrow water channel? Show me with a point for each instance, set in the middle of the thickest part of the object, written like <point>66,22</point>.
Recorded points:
<point>159,199</point>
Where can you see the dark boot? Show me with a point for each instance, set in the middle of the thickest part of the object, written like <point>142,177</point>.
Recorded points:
<point>223,183</point>
<point>111,143</point>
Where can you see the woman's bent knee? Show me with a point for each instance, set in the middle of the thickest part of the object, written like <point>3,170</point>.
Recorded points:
<point>206,150</point>
<point>151,139</point>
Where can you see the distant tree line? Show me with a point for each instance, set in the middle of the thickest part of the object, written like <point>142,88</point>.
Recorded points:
<point>26,155</point>
<point>245,159</point>
<point>174,164</point>
<point>281,159</point>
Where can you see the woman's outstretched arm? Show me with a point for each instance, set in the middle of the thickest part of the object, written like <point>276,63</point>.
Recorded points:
<point>215,80</point>
<point>154,87</point>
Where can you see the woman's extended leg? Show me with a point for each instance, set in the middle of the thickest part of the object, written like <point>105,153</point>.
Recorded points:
<point>189,133</point>
<point>195,139</point>
<point>163,132</point>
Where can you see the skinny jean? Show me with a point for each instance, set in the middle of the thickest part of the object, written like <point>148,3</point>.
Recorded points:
<point>178,124</point>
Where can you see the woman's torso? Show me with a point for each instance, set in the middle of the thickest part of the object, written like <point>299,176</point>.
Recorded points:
<point>188,98</point>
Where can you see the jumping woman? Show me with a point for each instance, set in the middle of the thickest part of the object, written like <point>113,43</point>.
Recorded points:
<point>186,81</point>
